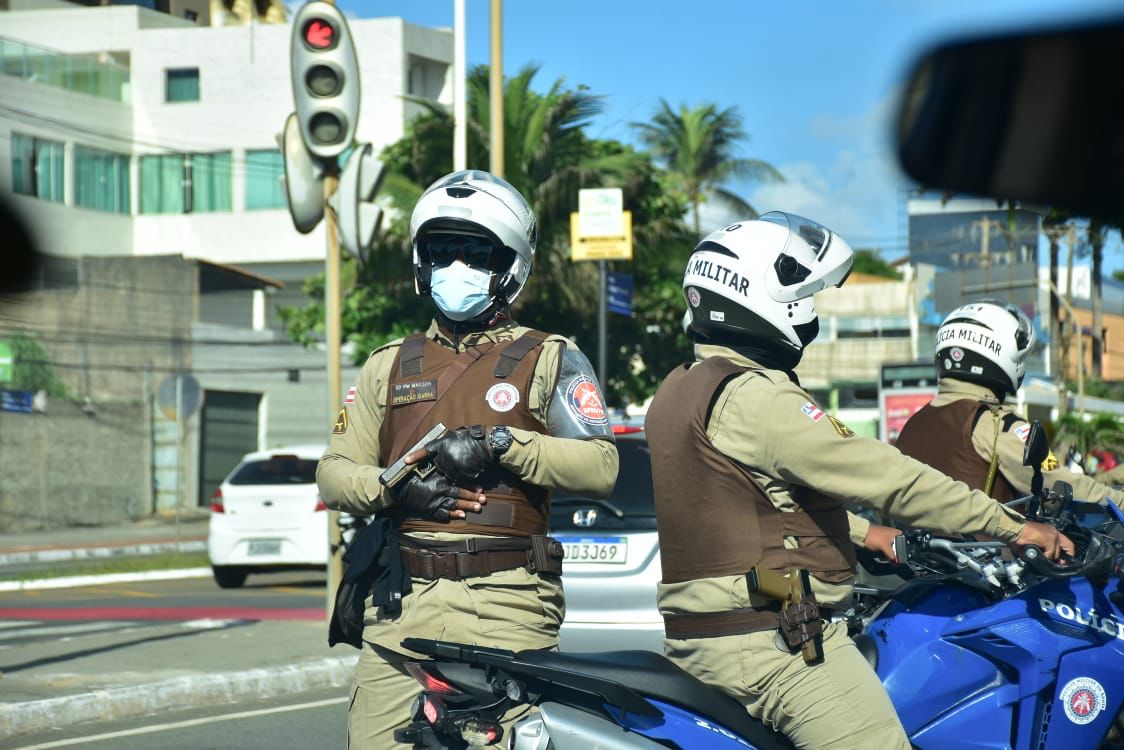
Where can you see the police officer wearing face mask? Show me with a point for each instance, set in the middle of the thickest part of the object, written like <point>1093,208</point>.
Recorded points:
<point>525,417</point>
<point>981,356</point>
<point>749,473</point>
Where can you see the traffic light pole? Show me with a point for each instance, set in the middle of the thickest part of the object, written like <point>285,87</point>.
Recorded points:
<point>332,341</point>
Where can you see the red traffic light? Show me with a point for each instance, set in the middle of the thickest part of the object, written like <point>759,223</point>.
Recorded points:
<point>319,34</point>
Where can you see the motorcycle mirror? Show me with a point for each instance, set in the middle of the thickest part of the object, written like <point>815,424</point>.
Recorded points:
<point>901,549</point>
<point>1064,492</point>
<point>1034,453</point>
<point>1020,116</point>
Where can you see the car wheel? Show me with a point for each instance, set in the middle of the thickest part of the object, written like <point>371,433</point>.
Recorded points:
<point>228,576</point>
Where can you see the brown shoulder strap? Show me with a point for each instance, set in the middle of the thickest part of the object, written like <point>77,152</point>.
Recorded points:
<point>410,355</point>
<point>459,364</point>
<point>516,351</point>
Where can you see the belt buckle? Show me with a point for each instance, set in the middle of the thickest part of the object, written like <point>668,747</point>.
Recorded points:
<point>445,565</point>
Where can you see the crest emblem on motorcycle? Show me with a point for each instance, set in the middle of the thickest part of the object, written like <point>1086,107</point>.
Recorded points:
<point>1083,699</point>
<point>585,517</point>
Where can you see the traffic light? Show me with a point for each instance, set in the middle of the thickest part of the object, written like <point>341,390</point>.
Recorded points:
<point>325,79</point>
<point>357,216</point>
<point>304,184</point>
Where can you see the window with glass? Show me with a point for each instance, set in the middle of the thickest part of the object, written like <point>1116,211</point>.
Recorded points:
<point>185,183</point>
<point>265,172</point>
<point>181,85</point>
<point>37,167</point>
<point>101,180</point>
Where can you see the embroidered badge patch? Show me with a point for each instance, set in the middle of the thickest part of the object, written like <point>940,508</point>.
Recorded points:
<point>1022,432</point>
<point>842,429</point>
<point>341,423</point>
<point>502,397</point>
<point>584,401</point>
<point>1083,699</point>
<point>812,412</point>
<point>350,397</point>
<point>408,393</point>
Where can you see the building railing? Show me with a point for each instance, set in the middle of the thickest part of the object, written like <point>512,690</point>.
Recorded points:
<point>82,73</point>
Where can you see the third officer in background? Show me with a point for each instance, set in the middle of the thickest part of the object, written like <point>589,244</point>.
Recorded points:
<point>971,431</point>
<point>749,473</point>
<point>525,416</point>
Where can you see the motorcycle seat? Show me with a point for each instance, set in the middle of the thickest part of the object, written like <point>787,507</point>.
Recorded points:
<point>655,676</point>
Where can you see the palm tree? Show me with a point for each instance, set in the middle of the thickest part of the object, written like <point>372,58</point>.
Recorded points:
<point>697,146</point>
<point>1101,431</point>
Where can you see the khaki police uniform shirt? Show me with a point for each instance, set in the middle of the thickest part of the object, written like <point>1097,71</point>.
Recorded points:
<point>773,428</point>
<point>515,608</point>
<point>988,438</point>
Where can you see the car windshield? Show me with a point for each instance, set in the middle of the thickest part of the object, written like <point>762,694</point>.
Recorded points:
<point>276,470</point>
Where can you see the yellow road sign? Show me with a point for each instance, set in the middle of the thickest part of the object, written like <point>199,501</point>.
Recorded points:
<point>601,248</point>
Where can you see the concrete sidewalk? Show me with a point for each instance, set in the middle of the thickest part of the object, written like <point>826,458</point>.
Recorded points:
<point>57,674</point>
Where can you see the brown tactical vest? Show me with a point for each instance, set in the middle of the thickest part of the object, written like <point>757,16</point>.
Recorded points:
<point>500,377</point>
<point>941,436</point>
<point>713,518</point>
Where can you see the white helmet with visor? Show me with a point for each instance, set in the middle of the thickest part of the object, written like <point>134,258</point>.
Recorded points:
<point>752,283</point>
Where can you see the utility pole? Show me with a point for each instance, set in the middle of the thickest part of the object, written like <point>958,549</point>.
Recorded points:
<point>460,107</point>
<point>332,342</point>
<point>495,90</point>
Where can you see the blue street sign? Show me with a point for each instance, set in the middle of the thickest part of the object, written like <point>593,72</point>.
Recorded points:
<point>620,293</point>
<point>17,401</point>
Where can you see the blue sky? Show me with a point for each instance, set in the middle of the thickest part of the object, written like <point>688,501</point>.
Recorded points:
<point>816,82</point>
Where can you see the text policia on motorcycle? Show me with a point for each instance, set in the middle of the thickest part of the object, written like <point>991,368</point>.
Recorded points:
<point>460,515</point>
<point>981,352</point>
<point>768,473</point>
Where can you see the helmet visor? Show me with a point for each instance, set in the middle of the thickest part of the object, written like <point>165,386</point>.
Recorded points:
<point>813,258</point>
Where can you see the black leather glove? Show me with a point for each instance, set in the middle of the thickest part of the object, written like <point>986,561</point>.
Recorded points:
<point>461,454</point>
<point>432,497</point>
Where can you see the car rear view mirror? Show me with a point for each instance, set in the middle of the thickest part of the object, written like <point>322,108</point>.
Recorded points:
<point>1036,117</point>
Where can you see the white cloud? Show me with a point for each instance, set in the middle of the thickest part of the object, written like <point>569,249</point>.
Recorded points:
<point>856,193</point>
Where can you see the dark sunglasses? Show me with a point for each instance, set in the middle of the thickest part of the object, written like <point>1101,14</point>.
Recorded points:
<point>443,250</point>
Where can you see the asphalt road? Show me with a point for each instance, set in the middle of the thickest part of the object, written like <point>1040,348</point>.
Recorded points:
<point>264,597</point>
<point>316,719</point>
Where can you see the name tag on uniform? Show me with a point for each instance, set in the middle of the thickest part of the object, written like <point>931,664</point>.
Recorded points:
<point>408,393</point>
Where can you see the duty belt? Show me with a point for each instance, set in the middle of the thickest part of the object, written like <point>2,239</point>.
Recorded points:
<point>476,557</point>
<point>741,621</point>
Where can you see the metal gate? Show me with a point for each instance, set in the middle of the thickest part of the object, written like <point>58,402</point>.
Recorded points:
<point>229,430</point>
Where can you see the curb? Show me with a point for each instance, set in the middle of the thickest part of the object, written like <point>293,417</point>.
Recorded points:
<point>65,582</point>
<point>182,692</point>
<point>97,553</point>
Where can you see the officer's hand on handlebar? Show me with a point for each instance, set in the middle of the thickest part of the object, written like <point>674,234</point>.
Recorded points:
<point>1052,542</point>
<point>461,454</point>
<point>880,539</point>
<point>434,497</point>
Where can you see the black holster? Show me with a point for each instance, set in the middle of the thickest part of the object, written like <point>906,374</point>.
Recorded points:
<point>546,555</point>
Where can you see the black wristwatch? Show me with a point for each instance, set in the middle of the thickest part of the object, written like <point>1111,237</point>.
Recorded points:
<point>499,440</point>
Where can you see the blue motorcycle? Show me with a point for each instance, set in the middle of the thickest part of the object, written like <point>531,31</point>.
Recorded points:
<point>976,648</point>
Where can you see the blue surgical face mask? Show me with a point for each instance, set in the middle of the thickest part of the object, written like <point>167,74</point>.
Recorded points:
<point>460,291</point>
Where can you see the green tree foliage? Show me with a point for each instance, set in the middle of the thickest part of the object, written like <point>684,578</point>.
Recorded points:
<point>870,261</point>
<point>32,369</point>
<point>698,147</point>
<point>1118,274</point>
<point>1101,431</point>
<point>548,157</point>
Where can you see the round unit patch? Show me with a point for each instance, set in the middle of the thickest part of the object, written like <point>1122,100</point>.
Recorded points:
<point>693,296</point>
<point>584,401</point>
<point>1083,699</point>
<point>502,397</point>
<point>956,353</point>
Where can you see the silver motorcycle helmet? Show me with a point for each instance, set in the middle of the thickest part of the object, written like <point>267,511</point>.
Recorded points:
<point>475,203</point>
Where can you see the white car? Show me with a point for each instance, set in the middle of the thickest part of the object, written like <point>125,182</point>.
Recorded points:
<point>267,516</point>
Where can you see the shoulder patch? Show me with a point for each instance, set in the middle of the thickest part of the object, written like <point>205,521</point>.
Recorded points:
<point>341,423</point>
<point>1022,432</point>
<point>843,430</point>
<point>583,399</point>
